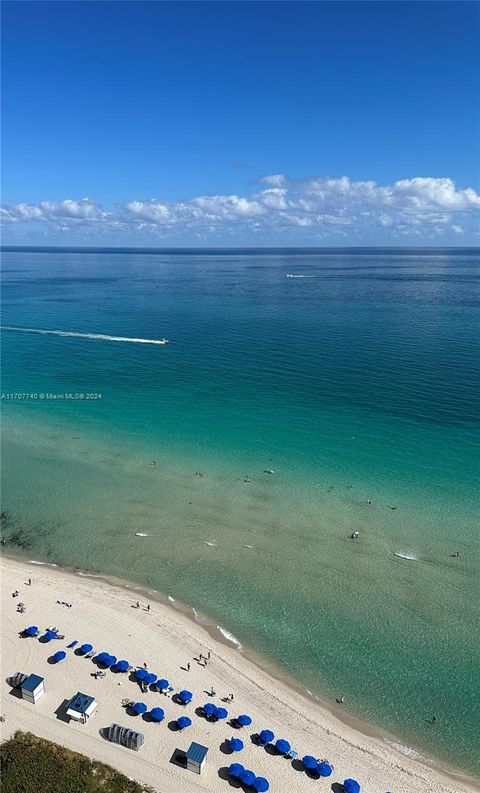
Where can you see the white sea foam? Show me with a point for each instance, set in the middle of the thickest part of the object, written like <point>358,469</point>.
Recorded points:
<point>141,534</point>
<point>248,546</point>
<point>213,544</point>
<point>229,636</point>
<point>290,275</point>
<point>411,555</point>
<point>406,750</point>
<point>87,575</point>
<point>97,336</point>
<point>49,564</point>
<point>172,600</point>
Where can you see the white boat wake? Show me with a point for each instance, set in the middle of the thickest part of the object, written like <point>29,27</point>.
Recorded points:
<point>402,555</point>
<point>96,336</point>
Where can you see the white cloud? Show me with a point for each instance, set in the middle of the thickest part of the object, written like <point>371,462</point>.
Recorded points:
<point>420,207</point>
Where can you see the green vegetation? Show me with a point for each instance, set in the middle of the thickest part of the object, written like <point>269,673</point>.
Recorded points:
<point>30,764</point>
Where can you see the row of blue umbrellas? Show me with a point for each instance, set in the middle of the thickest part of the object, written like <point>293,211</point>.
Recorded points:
<point>249,778</point>
<point>322,768</point>
<point>214,712</point>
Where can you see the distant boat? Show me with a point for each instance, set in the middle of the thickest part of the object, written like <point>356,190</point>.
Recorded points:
<point>141,534</point>
<point>268,471</point>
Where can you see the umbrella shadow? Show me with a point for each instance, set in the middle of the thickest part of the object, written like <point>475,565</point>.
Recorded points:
<point>173,726</point>
<point>297,765</point>
<point>337,787</point>
<point>223,774</point>
<point>225,747</point>
<point>200,712</point>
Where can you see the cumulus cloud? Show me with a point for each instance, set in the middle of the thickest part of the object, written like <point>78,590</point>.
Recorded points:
<point>316,207</point>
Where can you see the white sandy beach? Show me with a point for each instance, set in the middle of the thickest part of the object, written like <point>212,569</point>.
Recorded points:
<point>166,640</point>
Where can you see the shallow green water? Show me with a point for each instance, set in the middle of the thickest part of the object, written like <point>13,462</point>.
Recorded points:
<point>358,383</point>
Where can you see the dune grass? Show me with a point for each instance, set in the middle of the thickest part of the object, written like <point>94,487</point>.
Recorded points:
<point>30,764</point>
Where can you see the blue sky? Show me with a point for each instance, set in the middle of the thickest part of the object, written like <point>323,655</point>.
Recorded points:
<point>241,122</point>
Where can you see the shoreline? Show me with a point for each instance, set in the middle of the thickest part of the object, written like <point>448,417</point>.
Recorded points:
<point>324,710</point>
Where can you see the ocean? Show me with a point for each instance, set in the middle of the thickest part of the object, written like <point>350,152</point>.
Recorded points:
<point>353,375</point>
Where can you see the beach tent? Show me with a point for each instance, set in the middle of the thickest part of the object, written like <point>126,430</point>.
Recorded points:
<point>235,769</point>
<point>150,678</point>
<point>247,777</point>
<point>32,688</point>
<point>59,656</point>
<point>209,709</point>
<point>183,722</point>
<point>162,684</point>
<point>351,786</point>
<point>32,630</point>
<point>235,744</point>
<point>324,769</point>
<point>309,762</point>
<point>122,666</point>
<point>261,784</point>
<point>157,714</point>
<point>139,707</point>
<point>244,720</point>
<point>125,737</point>
<point>196,757</point>
<point>220,713</point>
<point>185,697</point>
<point>81,706</point>
<point>283,747</point>
<point>266,736</point>
<point>85,648</point>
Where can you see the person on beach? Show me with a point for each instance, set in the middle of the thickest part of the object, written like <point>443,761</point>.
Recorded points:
<point>145,665</point>
<point>208,655</point>
<point>148,606</point>
<point>137,605</point>
<point>188,666</point>
<point>434,718</point>
<point>29,582</point>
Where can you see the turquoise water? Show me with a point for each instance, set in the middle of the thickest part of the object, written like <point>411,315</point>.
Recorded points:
<point>359,382</point>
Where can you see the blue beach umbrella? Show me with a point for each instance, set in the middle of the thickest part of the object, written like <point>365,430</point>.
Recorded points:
<point>282,746</point>
<point>220,713</point>
<point>309,762</point>
<point>157,714</point>
<point>235,769</point>
<point>141,674</point>
<point>183,722</point>
<point>185,697</point>
<point>31,631</point>
<point>235,744</point>
<point>209,709</point>
<point>100,658</point>
<point>122,666</point>
<point>244,720</point>
<point>85,648</point>
<point>150,678</point>
<point>139,707</point>
<point>247,777</point>
<point>266,736</point>
<point>49,635</point>
<point>351,786</point>
<point>324,769</point>
<point>59,656</point>
<point>110,660</point>
<point>261,784</point>
<point>162,684</point>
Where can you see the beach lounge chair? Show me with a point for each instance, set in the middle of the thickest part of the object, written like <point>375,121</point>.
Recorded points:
<point>90,654</point>
<point>72,644</point>
<point>292,755</point>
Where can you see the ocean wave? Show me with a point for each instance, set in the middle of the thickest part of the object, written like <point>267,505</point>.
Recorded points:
<point>248,546</point>
<point>172,600</point>
<point>229,636</point>
<point>213,544</point>
<point>97,336</point>
<point>290,275</point>
<point>48,564</point>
